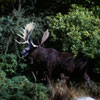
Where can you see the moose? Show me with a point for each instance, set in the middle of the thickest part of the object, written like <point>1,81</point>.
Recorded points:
<point>50,57</point>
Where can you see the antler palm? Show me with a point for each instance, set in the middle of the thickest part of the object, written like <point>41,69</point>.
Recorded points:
<point>26,33</point>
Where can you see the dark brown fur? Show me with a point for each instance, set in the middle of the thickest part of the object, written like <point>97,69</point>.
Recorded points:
<point>53,59</point>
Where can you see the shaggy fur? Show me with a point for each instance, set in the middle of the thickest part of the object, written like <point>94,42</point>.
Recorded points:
<point>52,60</point>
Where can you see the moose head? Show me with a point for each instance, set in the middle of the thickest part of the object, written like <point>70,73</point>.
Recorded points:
<point>26,33</point>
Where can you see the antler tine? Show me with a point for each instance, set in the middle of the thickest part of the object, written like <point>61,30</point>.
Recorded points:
<point>34,44</point>
<point>20,36</point>
<point>21,42</point>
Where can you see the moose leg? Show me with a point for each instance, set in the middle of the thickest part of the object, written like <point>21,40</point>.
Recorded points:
<point>49,80</point>
<point>87,78</point>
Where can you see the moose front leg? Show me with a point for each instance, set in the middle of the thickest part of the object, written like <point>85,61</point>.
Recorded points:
<point>49,76</point>
<point>87,78</point>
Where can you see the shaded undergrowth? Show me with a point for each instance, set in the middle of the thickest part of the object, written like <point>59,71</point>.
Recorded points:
<point>61,91</point>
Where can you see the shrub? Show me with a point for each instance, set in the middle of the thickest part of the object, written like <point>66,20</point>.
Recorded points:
<point>77,31</point>
<point>20,88</point>
<point>8,29</point>
<point>8,63</point>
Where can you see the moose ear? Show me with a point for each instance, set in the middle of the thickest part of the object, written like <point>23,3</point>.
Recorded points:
<point>45,36</point>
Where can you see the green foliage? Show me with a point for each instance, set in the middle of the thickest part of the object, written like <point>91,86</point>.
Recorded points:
<point>20,88</point>
<point>8,29</point>
<point>97,65</point>
<point>8,63</point>
<point>40,92</point>
<point>79,31</point>
<point>97,70</point>
<point>6,9</point>
<point>96,10</point>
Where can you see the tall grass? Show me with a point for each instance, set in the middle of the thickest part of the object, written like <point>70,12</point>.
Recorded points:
<point>62,91</point>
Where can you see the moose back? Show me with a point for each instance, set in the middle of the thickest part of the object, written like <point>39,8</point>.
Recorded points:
<point>52,61</point>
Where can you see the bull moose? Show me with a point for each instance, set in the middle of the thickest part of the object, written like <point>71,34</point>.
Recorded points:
<point>50,57</point>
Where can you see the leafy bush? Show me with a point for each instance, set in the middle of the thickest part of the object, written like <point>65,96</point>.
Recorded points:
<point>8,29</point>
<point>8,63</point>
<point>79,31</point>
<point>20,88</point>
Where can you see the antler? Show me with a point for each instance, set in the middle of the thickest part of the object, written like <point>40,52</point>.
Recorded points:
<point>45,36</point>
<point>26,34</point>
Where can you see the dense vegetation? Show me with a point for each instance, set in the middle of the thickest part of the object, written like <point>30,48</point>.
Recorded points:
<point>74,27</point>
